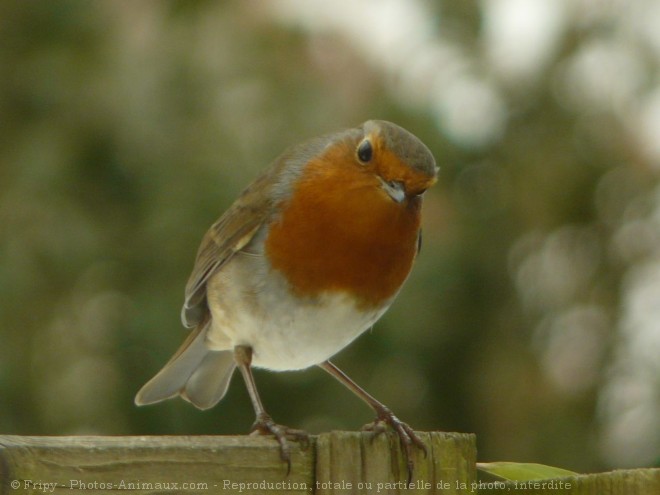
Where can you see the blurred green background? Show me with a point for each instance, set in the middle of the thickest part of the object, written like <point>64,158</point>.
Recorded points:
<point>532,317</point>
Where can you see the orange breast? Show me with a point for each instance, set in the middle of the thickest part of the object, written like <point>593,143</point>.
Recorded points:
<point>339,231</point>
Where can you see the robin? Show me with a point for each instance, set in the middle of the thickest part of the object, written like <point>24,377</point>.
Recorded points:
<point>309,256</point>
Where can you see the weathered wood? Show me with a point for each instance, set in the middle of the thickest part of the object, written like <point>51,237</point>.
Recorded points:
<point>220,464</point>
<point>620,482</point>
<point>147,465</point>
<point>348,463</point>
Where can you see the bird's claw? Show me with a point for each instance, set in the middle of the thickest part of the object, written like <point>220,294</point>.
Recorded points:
<point>406,434</point>
<point>264,425</point>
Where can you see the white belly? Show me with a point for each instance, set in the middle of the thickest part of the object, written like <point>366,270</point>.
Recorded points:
<point>252,306</point>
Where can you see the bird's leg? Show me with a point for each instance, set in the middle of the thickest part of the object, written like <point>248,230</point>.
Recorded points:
<point>384,416</point>
<point>263,423</point>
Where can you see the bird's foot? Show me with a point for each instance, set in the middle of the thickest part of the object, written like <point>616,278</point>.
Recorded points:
<point>407,436</point>
<point>264,425</point>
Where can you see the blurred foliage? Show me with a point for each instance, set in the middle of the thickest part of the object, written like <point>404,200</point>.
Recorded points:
<point>127,128</point>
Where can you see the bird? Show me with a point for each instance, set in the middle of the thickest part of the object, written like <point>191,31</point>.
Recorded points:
<point>310,255</point>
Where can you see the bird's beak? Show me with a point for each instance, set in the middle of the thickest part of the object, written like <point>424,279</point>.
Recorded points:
<point>395,190</point>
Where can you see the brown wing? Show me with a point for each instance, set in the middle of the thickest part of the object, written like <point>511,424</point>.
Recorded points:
<point>231,233</point>
<point>234,230</point>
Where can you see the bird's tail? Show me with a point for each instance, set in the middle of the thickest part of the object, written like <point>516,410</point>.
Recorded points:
<point>196,373</point>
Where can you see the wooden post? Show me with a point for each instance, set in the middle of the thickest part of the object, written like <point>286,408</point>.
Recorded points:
<point>334,463</point>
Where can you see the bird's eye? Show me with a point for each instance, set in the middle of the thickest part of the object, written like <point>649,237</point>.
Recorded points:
<point>365,151</point>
